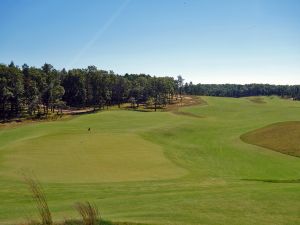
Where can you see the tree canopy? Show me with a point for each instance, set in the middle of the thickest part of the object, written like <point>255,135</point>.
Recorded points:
<point>238,90</point>
<point>37,91</point>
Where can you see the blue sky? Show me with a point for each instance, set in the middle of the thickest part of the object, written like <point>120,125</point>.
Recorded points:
<point>206,41</point>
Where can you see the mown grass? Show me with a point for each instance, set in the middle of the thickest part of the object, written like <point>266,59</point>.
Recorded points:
<point>203,175</point>
<point>90,157</point>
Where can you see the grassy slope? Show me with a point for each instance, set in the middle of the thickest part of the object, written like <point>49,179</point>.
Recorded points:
<point>282,137</point>
<point>206,155</point>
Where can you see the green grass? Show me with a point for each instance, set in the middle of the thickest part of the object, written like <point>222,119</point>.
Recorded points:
<point>283,137</point>
<point>89,157</point>
<point>157,168</point>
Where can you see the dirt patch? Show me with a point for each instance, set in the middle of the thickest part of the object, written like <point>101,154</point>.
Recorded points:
<point>78,111</point>
<point>186,101</point>
<point>66,114</point>
<point>173,107</point>
<point>23,122</point>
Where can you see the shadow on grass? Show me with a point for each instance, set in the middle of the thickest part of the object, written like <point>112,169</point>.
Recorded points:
<point>274,181</point>
<point>100,222</point>
<point>187,114</point>
<point>80,222</point>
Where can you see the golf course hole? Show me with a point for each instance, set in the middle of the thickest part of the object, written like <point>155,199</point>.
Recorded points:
<point>283,137</point>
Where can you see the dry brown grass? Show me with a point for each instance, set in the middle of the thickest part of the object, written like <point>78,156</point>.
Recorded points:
<point>187,100</point>
<point>89,213</point>
<point>40,199</point>
<point>282,137</point>
<point>257,100</point>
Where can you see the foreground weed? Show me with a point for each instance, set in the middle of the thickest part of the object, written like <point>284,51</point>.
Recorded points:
<point>89,213</point>
<point>40,199</point>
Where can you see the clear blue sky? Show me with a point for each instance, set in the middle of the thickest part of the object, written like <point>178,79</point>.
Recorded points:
<point>207,41</point>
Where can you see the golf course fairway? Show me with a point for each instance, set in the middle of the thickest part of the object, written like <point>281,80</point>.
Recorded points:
<point>157,167</point>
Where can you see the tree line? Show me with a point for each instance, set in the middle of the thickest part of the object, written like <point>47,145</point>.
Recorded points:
<point>35,91</point>
<point>238,90</point>
<point>39,91</point>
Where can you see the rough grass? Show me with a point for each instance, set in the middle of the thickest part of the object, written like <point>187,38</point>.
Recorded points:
<point>283,137</point>
<point>217,166</point>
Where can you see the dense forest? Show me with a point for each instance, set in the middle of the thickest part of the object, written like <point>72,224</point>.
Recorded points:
<point>238,90</point>
<point>39,91</point>
<point>35,92</point>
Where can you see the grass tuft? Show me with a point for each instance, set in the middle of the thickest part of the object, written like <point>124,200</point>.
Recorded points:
<point>40,199</point>
<point>89,213</point>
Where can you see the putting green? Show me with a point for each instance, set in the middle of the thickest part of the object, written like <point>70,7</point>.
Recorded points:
<point>89,157</point>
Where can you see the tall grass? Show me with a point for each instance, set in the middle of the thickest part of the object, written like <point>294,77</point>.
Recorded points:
<point>89,213</point>
<point>40,199</point>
